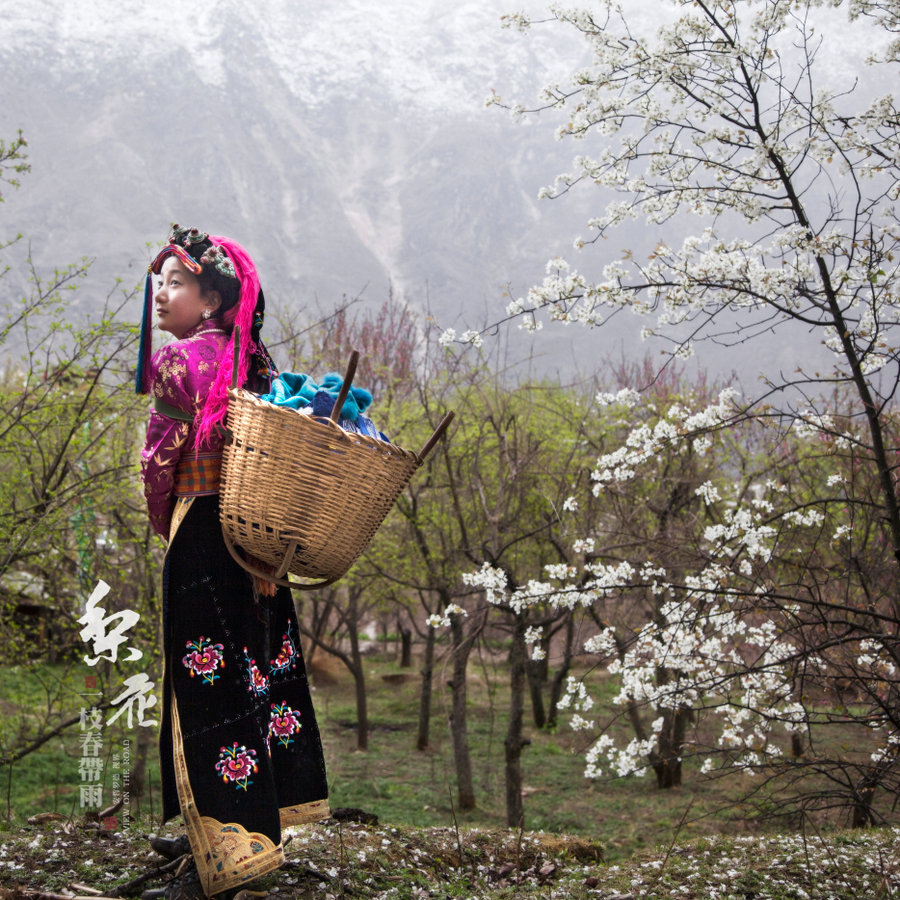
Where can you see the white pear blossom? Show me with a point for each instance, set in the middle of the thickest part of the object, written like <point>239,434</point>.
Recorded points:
<point>770,192</point>
<point>627,397</point>
<point>448,336</point>
<point>444,620</point>
<point>709,492</point>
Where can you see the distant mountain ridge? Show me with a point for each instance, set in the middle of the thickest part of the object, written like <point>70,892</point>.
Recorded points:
<point>348,147</point>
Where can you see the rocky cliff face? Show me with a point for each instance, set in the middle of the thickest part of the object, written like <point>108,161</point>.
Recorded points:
<point>347,145</point>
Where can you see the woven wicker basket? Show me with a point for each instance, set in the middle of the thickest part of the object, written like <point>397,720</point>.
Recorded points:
<point>302,494</point>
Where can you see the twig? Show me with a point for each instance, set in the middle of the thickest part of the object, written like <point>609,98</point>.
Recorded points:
<point>885,876</point>
<point>341,873</point>
<point>111,810</point>
<point>123,890</point>
<point>825,847</point>
<point>150,790</point>
<point>672,843</point>
<point>806,851</point>
<point>47,895</point>
<point>459,845</point>
<point>519,841</point>
<point>39,742</point>
<point>9,794</point>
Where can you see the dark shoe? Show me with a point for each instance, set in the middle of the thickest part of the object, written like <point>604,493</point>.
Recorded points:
<point>187,887</point>
<point>171,848</point>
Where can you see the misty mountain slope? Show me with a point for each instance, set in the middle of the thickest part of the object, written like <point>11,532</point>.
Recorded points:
<point>346,145</point>
<point>299,130</point>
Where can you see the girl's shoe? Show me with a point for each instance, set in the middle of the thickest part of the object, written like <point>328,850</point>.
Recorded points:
<point>185,887</point>
<point>171,848</point>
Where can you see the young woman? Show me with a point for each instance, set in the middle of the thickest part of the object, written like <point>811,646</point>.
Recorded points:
<point>239,748</point>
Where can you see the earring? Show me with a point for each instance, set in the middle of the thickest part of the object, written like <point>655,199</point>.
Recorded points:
<point>206,313</point>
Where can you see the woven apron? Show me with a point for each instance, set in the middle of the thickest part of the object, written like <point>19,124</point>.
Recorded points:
<point>240,751</point>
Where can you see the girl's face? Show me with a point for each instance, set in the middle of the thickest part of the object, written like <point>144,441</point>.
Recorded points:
<point>179,302</point>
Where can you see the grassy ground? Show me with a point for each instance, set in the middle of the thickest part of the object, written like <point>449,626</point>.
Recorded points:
<point>618,838</point>
<point>393,780</point>
<point>404,786</point>
<point>330,861</point>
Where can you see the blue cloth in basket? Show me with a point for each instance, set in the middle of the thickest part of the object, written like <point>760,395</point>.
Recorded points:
<point>298,391</point>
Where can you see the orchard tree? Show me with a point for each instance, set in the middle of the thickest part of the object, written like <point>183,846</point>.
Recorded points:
<point>70,506</point>
<point>389,339</point>
<point>331,619</point>
<point>724,116</point>
<point>496,495</point>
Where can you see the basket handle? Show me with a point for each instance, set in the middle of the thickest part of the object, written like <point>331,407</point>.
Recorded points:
<point>275,578</point>
<point>345,387</point>
<point>438,434</point>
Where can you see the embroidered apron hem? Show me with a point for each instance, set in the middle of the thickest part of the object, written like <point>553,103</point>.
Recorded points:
<point>226,854</point>
<point>313,811</point>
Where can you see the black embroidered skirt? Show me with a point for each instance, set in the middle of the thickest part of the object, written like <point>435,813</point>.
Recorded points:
<point>239,747</point>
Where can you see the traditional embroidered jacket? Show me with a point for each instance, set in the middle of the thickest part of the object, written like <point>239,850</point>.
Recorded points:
<point>181,375</point>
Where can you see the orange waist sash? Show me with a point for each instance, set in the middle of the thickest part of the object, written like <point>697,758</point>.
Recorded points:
<point>198,474</point>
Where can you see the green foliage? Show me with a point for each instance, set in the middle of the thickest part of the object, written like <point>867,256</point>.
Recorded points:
<point>492,489</point>
<point>12,160</point>
<point>70,509</point>
<point>35,699</point>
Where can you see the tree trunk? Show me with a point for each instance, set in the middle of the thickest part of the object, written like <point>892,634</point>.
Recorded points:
<point>861,811</point>
<point>405,646</point>
<point>458,716</point>
<point>862,815</point>
<point>515,814</point>
<point>318,622</point>
<point>359,678</point>
<point>348,614</point>
<point>533,669</point>
<point>422,739</point>
<point>667,763</point>
<point>559,679</point>
<point>136,777</point>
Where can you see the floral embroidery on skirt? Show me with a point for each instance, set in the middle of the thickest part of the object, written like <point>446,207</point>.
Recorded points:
<point>219,729</point>
<point>205,657</point>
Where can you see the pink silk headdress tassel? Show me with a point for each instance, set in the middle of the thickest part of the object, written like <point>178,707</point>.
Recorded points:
<point>213,413</point>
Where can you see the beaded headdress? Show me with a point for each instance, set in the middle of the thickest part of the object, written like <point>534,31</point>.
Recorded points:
<point>254,363</point>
